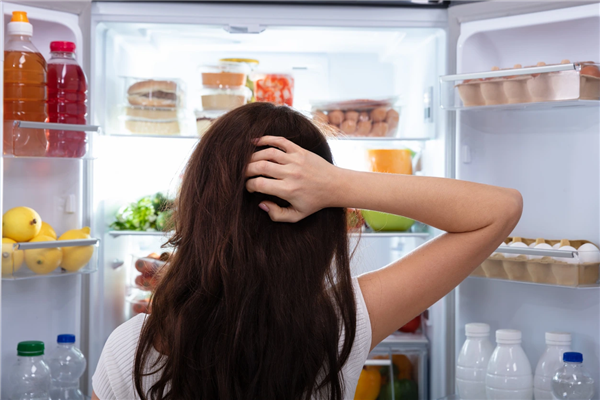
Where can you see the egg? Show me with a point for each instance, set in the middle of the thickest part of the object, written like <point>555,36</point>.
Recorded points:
<point>501,245</point>
<point>321,117</point>
<point>364,116</point>
<point>336,117</point>
<point>556,246</point>
<point>516,243</point>
<point>379,129</point>
<point>348,126</point>
<point>392,117</point>
<point>568,260</point>
<point>540,246</point>
<point>565,61</point>
<point>588,253</point>
<point>591,70</point>
<point>537,241</point>
<point>378,114</point>
<point>352,116</point>
<point>363,128</point>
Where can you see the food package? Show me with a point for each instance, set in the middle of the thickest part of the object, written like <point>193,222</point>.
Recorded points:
<point>225,99</point>
<point>580,271</point>
<point>204,120</point>
<point>362,118</point>
<point>581,83</point>
<point>225,75</point>
<point>274,88</point>
<point>154,93</point>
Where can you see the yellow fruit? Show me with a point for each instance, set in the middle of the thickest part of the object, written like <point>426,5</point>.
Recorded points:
<point>21,224</point>
<point>368,386</point>
<point>47,230</point>
<point>11,259</point>
<point>74,258</point>
<point>43,261</point>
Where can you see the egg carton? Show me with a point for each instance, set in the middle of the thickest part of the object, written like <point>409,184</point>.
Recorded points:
<point>582,270</point>
<point>543,87</point>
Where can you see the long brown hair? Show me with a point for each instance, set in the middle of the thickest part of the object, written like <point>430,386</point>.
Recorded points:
<point>248,308</point>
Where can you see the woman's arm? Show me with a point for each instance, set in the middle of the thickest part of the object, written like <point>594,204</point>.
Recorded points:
<point>476,217</point>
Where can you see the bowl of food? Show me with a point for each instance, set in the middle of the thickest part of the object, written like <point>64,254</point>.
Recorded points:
<point>384,222</point>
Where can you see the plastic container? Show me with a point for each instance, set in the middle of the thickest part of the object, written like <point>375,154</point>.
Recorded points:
<point>24,89</point>
<point>67,98</point>
<point>583,270</point>
<point>274,88</point>
<point>557,343</point>
<point>205,119</point>
<point>141,113</point>
<point>225,75</point>
<point>29,378</point>
<point>359,118</point>
<point>509,372</point>
<point>471,367</point>
<point>384,222</point>
<point>159,128</point>
<point>225,99</point>
<point>252,64</point>
<point>67,364</point>
<point>162,93</point>
<point>572,381</point>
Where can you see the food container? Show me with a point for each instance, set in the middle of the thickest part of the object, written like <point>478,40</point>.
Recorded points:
<point>225,99</point>
<point>390,161</point>
<point>225,75</point>
<point>384,222</point>
<point>583,270</point>
<point>547,83</point>
<point>150,113</point>
<point>274,88</point>
<point>156,92</point>
<point>360,118</point>
<point>205,119</point>
<point>252,64</point>
<point>159,128</point>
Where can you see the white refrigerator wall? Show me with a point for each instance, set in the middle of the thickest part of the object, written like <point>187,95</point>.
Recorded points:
<point>553,157</point>
<point>40,309</point>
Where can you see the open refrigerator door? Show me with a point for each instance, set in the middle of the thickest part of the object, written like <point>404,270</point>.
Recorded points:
<point>526,104</point>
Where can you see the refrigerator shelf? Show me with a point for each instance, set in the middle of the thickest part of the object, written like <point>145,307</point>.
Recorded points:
<point>29,139</point>
<point>194,137</point>
<point>544,105</point>
<point>372,234</point>
<point>580,287</point>
<point>405,339</point>
<point>138,233</point>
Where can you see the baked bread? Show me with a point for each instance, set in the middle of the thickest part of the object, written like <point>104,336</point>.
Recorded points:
<point>153,93</point>
<point>152,128</point>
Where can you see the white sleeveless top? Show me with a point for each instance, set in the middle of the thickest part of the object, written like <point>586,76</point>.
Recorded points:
<point>113,379</point>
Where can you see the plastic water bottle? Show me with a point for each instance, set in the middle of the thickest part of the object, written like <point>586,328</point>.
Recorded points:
<point>572,381</point>
<point>30,376</point>
<point>557,343</point>
<point>472,363</point>
<point>509,372</point>
<point>67,364</point>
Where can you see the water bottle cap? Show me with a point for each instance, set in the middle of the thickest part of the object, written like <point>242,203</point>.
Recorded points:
<point>30,348</point>
<point>508,336</point>
<point>66,338</point>
<point>62,46</point>
<point>19,24</point>
<point>558,338</point>
<point>571,356</point>
<point>477,329</point>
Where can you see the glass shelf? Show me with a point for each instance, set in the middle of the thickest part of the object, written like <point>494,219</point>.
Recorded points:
<point>138,233</point>
<point>581,287</point>
<point>46,252</point>
<point>46,140</point>
<point>196,137</point>
<point>530,106</point>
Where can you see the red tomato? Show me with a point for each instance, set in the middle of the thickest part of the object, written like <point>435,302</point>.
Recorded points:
<point>412,325</point>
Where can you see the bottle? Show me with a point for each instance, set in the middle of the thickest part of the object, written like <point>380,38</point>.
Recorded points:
<point>30,376</point>
<point>473,359</point>
<point>67,364</point>
<point>572,381</point>
<point>67,96</point>
<point>24,89</point>
<point>509,372</point>
<point>556,344</point>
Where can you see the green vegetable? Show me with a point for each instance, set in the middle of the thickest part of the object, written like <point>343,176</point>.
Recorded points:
<point>404,389</point>
<point>150,213</point>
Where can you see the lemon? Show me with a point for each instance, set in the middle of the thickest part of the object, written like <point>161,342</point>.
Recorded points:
<point>11,259</point>
<point>74,258</point>
<point>21,224</point>
<point>47,230</point>
<point>43,261</point>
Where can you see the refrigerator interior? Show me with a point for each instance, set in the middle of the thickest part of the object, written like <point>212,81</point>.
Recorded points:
<point>552,157</point>
<point>43,307</point>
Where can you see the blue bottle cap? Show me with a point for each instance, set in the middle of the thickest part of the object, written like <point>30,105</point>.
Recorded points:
<point>66,338</point>
<point>572,356</point>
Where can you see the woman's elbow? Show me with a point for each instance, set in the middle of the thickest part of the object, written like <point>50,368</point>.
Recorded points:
<point>513,207</point>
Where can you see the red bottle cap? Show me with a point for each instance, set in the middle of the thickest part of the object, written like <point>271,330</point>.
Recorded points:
<point>62,46</point>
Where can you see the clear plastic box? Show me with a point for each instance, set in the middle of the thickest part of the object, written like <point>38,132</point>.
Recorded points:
<point>529,85</point>
<point>225,99</point>
<point>551,267</point>
<point>359,118</point>
<point>159,92</point>
<point>225,75</point>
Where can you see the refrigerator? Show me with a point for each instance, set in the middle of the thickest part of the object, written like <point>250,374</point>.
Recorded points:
<point>416,55</point>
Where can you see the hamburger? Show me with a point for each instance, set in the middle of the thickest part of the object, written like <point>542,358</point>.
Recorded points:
<point>153,93</point>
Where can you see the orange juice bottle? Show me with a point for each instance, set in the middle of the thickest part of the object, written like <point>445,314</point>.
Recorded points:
<point>24,89</point>
<point>390,161</point>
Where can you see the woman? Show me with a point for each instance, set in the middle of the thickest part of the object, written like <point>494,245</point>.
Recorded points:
<point>257,301</point>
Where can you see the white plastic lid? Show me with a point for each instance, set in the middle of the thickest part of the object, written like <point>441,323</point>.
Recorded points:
<point>477,329</point>
<point>20,28</point>
<point>558,338</point>
<point>508,336</point>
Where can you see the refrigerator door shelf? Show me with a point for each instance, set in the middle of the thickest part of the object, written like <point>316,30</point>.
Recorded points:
<point>572,84</point>
<point>65,141</point>
<point>508,281</point>
<point>19,260</point>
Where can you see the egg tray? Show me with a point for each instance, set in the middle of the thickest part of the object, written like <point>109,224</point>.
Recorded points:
<point>550,86</point>
<point>546,270</point>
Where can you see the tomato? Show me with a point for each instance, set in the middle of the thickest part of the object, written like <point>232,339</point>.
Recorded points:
<point>412,326</point>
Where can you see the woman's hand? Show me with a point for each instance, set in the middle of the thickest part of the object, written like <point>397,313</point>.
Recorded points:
<point>291,173</point>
